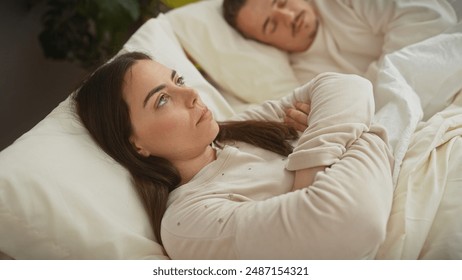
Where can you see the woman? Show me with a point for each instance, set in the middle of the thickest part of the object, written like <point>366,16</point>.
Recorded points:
<point>237,190</point>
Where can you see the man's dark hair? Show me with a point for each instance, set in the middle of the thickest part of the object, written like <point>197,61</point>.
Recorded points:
<point>231,9</point>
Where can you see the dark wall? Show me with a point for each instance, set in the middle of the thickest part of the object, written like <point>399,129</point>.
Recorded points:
<point>30,85</point>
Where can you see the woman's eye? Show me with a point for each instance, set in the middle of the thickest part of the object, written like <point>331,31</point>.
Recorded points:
<point>163,99</point>
<point>180,81</point>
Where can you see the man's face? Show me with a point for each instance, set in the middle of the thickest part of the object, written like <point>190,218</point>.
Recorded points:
<point>289,25</point>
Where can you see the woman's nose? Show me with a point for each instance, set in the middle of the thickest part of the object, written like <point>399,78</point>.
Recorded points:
<point>190,97</point>
<point>284,15</point>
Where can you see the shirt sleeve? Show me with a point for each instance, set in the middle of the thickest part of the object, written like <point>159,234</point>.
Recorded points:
<point>404,22</point>
<point>342,107</point>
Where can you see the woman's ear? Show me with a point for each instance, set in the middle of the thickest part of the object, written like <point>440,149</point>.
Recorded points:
<point>138,148</point>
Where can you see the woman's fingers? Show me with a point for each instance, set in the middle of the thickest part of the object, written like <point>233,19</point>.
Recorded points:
<point>303,107</point>
<point>298,126</point>
<point>298,117</point>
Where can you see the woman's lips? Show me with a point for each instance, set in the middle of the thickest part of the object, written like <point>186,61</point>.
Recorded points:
<point>205,113</point>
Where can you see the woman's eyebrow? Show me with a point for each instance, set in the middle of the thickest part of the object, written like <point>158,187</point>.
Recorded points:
<point>152,92</point>
<point>156,89</point>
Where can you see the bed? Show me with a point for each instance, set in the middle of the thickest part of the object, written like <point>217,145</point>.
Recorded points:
<point>61,197</point>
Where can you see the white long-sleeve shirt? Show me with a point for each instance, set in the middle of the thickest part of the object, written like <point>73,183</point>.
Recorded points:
<point>240,206</point>
<point>355,35</point>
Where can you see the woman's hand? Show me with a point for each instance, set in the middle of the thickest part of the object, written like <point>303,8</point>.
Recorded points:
<point>298,117</point>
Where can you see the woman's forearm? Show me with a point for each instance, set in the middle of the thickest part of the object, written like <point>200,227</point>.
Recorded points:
<point>305,177</point>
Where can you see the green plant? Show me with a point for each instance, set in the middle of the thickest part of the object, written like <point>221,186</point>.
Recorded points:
<point>89,32</point>
<point>177,3</point>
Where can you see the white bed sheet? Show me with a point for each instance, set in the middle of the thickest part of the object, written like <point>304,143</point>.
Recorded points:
<point>425,220</point>
<point>413,84</point>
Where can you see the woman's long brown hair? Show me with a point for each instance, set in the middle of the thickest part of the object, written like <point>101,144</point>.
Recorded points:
<point>104,112</point>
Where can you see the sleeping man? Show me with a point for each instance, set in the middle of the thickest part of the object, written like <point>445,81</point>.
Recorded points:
<point>347,36</point>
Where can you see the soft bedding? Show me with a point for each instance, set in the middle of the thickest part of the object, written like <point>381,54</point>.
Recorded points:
<point>425,219</point>
<point>413,84</point>
<point>61,197</point>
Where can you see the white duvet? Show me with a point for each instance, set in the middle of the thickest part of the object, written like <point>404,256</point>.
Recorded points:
<point>425,219</point>
<point>414,83</point>
<point>410,86</point>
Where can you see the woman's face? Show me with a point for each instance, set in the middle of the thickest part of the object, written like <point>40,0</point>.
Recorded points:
<point>169,119</point>
<point>290,25</point>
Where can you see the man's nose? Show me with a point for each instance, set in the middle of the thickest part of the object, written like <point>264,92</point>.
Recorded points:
<point>284,15</point>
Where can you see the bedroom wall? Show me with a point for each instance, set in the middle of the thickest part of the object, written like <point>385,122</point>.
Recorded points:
<point>30,85</point>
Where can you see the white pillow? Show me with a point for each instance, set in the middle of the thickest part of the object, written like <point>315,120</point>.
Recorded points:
<point>250,70</point>
<point>61,197</point>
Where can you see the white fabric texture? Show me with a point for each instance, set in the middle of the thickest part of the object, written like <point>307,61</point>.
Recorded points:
<point>425,219</point>
<point>240,206</point>
<point>402,93</point>
<point>61,197</point>
<point>355,35</point>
